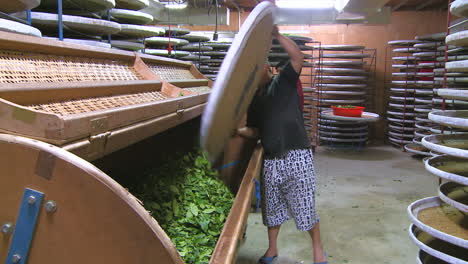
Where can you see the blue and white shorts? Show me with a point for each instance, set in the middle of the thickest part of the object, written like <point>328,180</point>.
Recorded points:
<point>288,189</point>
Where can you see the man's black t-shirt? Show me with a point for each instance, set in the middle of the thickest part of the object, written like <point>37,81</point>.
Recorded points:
<point>277,115</point>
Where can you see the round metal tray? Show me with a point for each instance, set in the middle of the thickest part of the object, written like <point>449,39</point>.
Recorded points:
<point>426,203</point>
<point>454,145</point>
<point>456,195</point>
<point>417,149</point>
<point>400,141</point>
<point>401,113</point>
<point>458,38</point>
<point>400,120</point>
<point>432,37</point>
<point>459,8</point>
<point>343,128</point>
<point>400,135</point>
<point>404,58</point>
<point>449,168</point>
<point>344,140</point>
<point>429,45</point>
<point>457,93</point>
<point>343,134</point>
<point>401,128</point>
<point>410,42</point>
<point>366,117</point>
<point>451,118</point>
<point>340,47</point>
<point>405,50</point>
<point>422,133</point>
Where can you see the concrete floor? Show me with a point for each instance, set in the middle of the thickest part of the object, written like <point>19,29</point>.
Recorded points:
<point>362,200</point>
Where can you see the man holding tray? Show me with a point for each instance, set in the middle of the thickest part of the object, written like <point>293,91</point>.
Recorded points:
<point>288,180</point>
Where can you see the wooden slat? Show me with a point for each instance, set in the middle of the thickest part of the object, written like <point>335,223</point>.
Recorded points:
<point>226,248</point>
<point>39,93</point>
<point>124,137</point>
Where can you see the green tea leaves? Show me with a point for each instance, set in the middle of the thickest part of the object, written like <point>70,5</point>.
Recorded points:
<point>189,202</point>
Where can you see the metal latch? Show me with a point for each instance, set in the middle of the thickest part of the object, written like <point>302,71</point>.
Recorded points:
<point>98,143</point>
<point>180,108</point>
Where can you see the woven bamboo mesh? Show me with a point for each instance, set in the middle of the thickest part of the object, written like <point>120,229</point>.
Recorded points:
<point>201,89</point>
<point>167,72</point>
<point>19,67</point>
<point>99,103</point>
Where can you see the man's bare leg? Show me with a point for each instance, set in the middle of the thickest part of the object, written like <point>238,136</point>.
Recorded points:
<point>317,248</point>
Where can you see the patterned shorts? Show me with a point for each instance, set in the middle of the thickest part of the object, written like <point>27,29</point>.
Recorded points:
<point>288,189</point>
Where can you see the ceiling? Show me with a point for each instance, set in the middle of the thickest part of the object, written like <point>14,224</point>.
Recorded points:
<point>417,5</point>
<point>395,5</point>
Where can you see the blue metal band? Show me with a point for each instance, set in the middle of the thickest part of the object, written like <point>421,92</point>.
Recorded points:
<point>25,227</point>
<point>60,18</point>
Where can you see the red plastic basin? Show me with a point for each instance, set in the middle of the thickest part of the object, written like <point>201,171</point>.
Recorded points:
<point>351,112</point>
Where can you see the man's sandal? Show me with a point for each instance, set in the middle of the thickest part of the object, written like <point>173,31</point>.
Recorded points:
<point>267,260</point>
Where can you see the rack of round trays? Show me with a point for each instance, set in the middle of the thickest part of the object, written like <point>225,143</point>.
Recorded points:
<point>134,24</point>
<point>196,47</point>
<point>346,77</point>
<point>218,50</point>
<point>169,45</point>
<point>427,56</point>
<point>82,24</point>
<point>439,226</point>
<point>401,114</point>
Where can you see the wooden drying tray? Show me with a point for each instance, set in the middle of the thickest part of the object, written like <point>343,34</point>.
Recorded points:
<point>90,100</point>
<point>97,220</point>
<point>31,59</point>
<point>94,119</point>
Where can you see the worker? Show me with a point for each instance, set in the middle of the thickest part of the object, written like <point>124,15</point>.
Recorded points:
<point>288,178</point>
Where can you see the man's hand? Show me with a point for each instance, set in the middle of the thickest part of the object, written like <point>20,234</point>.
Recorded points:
<point>275,31</point>
<point>248,132</point>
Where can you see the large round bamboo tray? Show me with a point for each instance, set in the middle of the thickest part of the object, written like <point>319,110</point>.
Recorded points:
<point>132,4</point>
<point>16,27</point>
<point>242,67</point>
<point>12,6</point>
<point>89,5</point>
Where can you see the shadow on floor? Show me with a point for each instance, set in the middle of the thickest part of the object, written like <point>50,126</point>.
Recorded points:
<point>369,154</point>
<point>280,260</point>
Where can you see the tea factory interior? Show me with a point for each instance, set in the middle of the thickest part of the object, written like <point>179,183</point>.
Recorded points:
<point>121,130</point>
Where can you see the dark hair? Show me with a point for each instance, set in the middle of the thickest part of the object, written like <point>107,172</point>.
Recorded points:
<point>281,64</point>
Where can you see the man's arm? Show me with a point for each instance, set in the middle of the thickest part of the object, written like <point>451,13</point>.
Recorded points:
<point>297,58</point>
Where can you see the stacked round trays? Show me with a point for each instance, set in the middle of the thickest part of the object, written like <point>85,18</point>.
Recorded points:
<point>342,80</point>
<point>82,24</point>
<point>401,114</point>
<point>210,67</point>
<point>196,47</point>
<point>168,45</point>
<point>278,54</point>
<point>15,26</point>
<point>439,223</point>
<point>428,68</point>
<point>439,226</point>
<point>133,32</point>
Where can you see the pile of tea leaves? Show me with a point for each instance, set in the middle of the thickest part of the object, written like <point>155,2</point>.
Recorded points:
<point>183,193</point>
